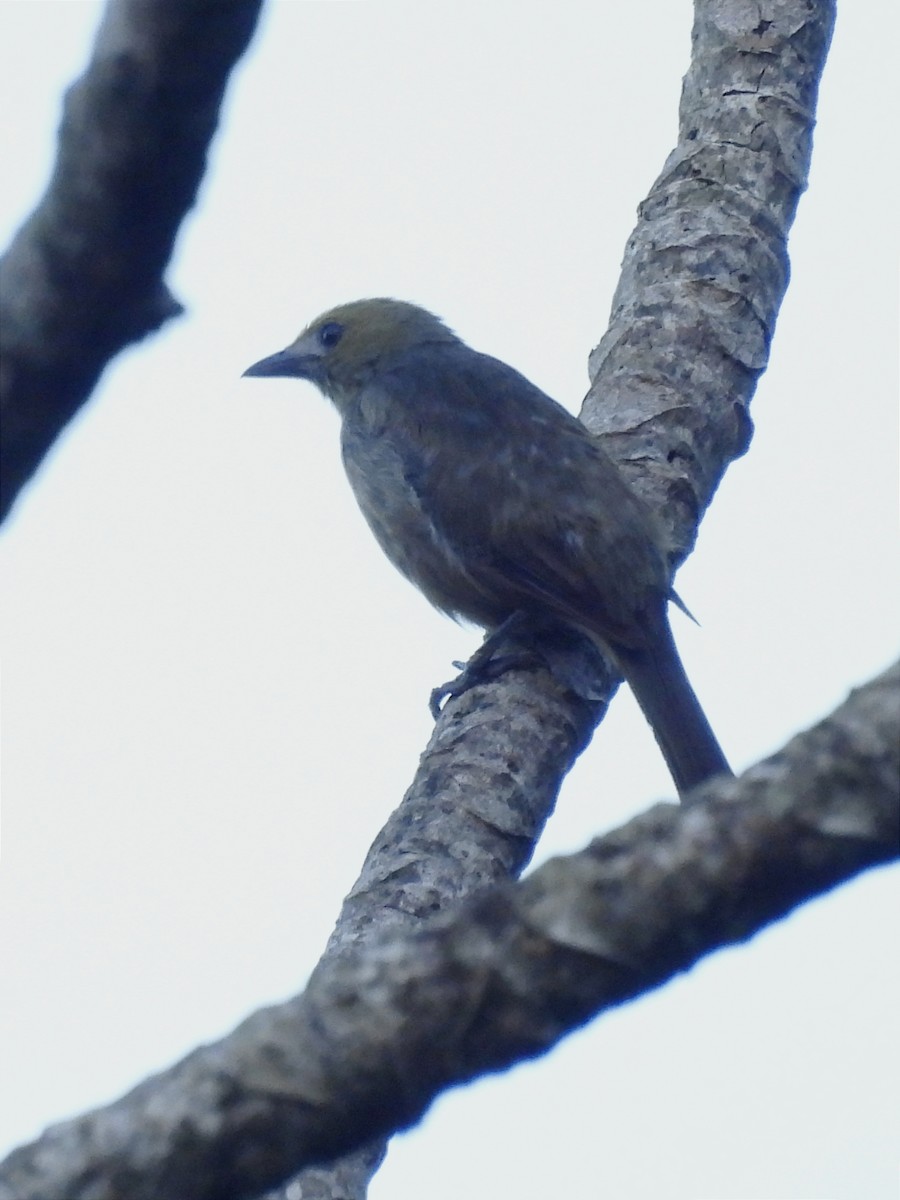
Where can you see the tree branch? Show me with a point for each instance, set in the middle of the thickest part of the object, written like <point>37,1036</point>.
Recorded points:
<point>706,267</point>
<point>83,278</point>
<point>672,379</point>
<point>384,1026</point>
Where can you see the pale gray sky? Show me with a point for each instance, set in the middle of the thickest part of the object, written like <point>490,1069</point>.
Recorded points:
<point>197,622</point>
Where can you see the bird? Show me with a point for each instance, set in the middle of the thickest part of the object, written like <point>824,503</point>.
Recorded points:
<point>498,504</point>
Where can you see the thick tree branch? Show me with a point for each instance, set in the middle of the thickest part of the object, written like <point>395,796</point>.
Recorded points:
<point>706,266</point>
<point>672,379</point>
<point>385,1026</point>
<point>703,278</point>
<point>83,278</point>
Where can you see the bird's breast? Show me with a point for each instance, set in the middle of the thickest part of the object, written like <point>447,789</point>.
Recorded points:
<point>384,471</point>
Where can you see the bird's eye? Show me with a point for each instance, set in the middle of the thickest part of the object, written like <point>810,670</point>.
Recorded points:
<point>330,334</point>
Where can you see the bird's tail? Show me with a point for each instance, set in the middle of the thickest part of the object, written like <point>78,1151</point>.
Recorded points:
<point>667,700</point>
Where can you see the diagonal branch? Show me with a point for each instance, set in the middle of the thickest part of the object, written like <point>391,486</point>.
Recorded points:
<point>706,266</point>
<point>672,379</point>
<point>83,278</point>
<point>385,1026</point>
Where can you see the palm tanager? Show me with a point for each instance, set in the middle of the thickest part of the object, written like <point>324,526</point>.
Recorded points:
<point>497,503</point>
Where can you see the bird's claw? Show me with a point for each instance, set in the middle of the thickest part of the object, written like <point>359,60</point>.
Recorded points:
<point>482,667</point>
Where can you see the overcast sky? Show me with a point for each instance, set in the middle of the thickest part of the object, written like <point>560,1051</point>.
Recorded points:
<point>215,687</point>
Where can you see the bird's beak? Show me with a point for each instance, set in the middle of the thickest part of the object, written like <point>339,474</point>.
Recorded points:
<point>287,363</point>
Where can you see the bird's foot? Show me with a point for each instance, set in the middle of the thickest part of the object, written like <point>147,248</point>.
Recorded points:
<point>484,665</point>
<point>524,642</point>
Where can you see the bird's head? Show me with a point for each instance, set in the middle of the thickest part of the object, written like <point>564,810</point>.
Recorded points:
<point>344,347</point>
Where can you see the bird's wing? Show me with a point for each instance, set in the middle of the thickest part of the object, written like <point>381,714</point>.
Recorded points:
<point>512,486</point>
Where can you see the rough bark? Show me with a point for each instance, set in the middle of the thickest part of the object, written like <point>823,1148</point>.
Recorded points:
<point>385,1025</point>
<point>706,267</point>
<point>83,277</point>
<point>703,276</point>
